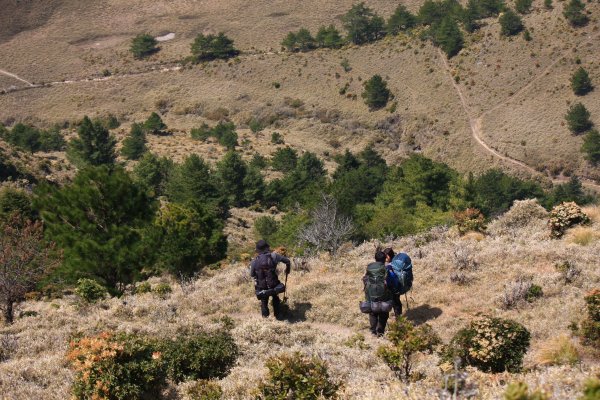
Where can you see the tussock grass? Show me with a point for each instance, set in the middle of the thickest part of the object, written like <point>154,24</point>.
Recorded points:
<point>582,235</point>
<point>560,350</point>
<point>593,212</point>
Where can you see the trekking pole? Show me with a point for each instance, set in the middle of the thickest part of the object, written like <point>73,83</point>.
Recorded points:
<point>406,297</point>
<point>285,290</point>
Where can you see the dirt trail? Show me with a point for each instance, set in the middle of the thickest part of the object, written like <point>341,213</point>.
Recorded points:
<point>3,72</point>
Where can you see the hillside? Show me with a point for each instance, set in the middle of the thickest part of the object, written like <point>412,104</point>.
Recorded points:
<point>500,97</point>
<point>323,303</point>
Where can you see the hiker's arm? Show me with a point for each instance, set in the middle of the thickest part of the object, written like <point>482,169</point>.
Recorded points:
<point>279,258</point>
<point>253,270</point>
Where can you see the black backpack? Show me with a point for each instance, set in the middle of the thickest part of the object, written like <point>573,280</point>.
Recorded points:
<point>266,272</point>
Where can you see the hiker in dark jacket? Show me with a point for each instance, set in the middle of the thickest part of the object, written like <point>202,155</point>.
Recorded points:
<point>264,271</point>
<point>377,293</point>
<point>396,303</point>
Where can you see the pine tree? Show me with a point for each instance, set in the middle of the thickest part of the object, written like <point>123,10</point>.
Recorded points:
<point>523,6</point>
<point>470,16</point>
<point>329,37</point>
<point>304,40</point>
<point>573,12</point>
<point>96,220</point>
<point>578,118</point>
<point>134,145</point>
<point>376,93</point>
<point>581,82</point>
<point>284,159</point>
<point>591,146</point>
<point>401,20</point>
<point>290,41</point>
<point>93,146</point>
<point>152,173</point>
<point>192,180</point>
<point>210,47</point>
<point>510,23</point>
<point>449,37</point>
<point>143,45</point>
<point>231,171</point>
<point>254,186</point>
<point>363,25</point>
<point>154,124</point>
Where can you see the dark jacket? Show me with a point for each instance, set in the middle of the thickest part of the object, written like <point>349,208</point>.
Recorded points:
<point>376,270</point>
<point>277,258</point>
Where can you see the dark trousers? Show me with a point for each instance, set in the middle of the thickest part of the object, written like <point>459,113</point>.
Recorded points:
<point>264,306</point>
<point>378,322</point>
<point>397,305</point>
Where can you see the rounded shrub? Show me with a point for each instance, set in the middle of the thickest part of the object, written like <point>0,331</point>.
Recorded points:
<point>564,216</point>
<point>590,327</point>
<point>490,344</point>
<point>143,287</point>
<point>299,377</point>
<point>204,390</point>
<point>162,289</point>
<point>90,290</point>
<point>469,220</point>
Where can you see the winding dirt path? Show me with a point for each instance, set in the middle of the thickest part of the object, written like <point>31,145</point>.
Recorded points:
<point>3,72</point>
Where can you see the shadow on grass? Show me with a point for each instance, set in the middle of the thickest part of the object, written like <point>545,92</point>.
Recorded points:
<point>297,313</point>
<point>422,313</point>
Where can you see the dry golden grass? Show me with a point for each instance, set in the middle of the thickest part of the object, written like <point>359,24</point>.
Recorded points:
<point>560,350</point>
<point>593,212</point>
<point>323,300</point>
<point>582,235</point>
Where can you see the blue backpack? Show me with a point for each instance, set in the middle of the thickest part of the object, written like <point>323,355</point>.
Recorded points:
<point>400,276</point>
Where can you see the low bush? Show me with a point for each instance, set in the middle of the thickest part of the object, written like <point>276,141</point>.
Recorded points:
<point>162,289</point>
<point>204,390</point>
<point>564,216</point>
<point>90,290</point>
<point>589,329</point>
<point>520,391</point>
<point>591,389</point>
<point>469,220</point>
<point>490,344</point>
<point>407,340</point>
<point>143,287</point>
<point>299,377</point>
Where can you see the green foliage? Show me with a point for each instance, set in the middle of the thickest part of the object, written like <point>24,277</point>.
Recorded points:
<point>548,4</point>
<point>284,159</point>
<point>289,42</point>
<point>265,226</point>
<point>255,125</point>
<point>152,173</point>
<point>490,8</point>
<point>258,162</point>
<point>154,124</point>
<point>94,145</point>
<point>346,65</point>
<point>52,140</point>
<point>471,16</point>
<point>490,344</point>
<point>231,172</point>
<point>510,23</point>
<point>523,6</point>
<point>191,181</point>
<point>578,118</point>
<point>224,132</point>
<point>581,82</point>
<point>432,12</point>
<point>329,37</point>
<point>362,24</point>
<point>211,47</point>
<point>276,138</point>
<point>143,287</point>
<point>119,367</point>
<point>15,201</point>
<point>527,35</point>
<point>590,326</point>
<point>304,40</point>
<point>96,220</point>
<point>448,36</point>
<point>520,391</point>
<point>297,376</point>
<point>162,289</point>
<point>186,238</point>
<point>143,45</point>
<point>574,13</point>
<point>254,186</point>
<point>591,146</point>
<point>534,292</point>
<point>401,20</point>
<point>407,340</point>
<point>204,390</point>
<point>591,389</point>
<point>200,355</point>
<point>570,191</point>
<point>565,215</point>
<point>25,137</point>
<point>90,290</point>
<point>134,145</point>
<point>376,93</point>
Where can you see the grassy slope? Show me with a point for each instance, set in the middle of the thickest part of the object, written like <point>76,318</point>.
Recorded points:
<point>78,42</point>
<point>324,304</point>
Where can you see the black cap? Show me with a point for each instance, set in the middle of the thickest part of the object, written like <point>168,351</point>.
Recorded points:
<point>262,245</point>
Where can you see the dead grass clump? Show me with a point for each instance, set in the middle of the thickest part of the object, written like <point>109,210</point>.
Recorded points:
<point>217,114</point>
<point>581,235</point>
<point>568,271</point>
<point>8,346</point>
<point>560,350</point>
<point>521,214</point>
<point>464,262</point>
<point>518,292</point>
<point>593,212</point>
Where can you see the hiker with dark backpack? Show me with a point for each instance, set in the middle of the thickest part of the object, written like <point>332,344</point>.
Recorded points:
<point>399,277</point>
<point>264,271</point>
<point>378,298</point>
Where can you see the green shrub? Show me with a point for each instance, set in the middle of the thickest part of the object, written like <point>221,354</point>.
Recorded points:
<point>490,344</point>
<point>90,290</point>
<point>563,216</point>
<point>534,292</point>
<point>120,367</point>
<point>265,227</point>
<point>204,390</point>
<point>255,125</point>
<point>581,82</point>
<point>143,287</point>
<point>548,4</point>
<point>407,340</point>
<point>590,327</point>
<point>162,289</point>
<point>376,93</point>
<point>591,146</point>
<point>574,13</point>
<point>284,159</point>
<point>154,124</point>
<point>298,376</point>
<point>578,118</point>
<point>520,391</point>
<point>211,47</point>
<point>523,6</point>
<point>200,355</point>
<point>143,45</point>
<point>591,389</point>
<point>276,138</point>
<point>510,23</point>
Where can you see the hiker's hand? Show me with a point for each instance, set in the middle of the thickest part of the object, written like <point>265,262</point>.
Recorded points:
<point>287,270</point>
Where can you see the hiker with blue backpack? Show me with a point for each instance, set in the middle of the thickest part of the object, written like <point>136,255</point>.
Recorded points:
<point>378,299</point>
<point>399,277</point>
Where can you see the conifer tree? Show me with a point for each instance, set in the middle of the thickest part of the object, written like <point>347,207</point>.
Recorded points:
<point>304,40</point>
<point>329,37</point>
<point>449,37</point>
<point>591,146</point>
<point>254,186</point>
<point>363,25</point>
<point>573,12</point>
<point>154,124</point>
<point>578,118</point>
<point>134,145</point>
<point>581,82</point>
<point>376,94</point>
<point>401,20</point>
<point>93,146</point>
<point>192,180</point>
<point>96,220</point>
<point>152,173</point>
<point>510,23</point>
<point>470,16</point>
<point>231,171</point>
<point>523,6</point>
<point>211,47</point>
<point>143,45</point>
<point>290,41</point>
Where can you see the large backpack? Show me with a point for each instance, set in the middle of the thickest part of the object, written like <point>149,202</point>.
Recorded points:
<point>375,287</point>
<point>266,272</point>
<point>402,267</point>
